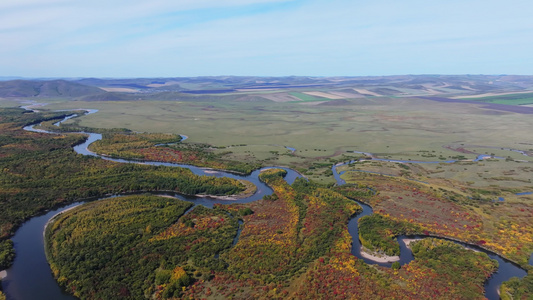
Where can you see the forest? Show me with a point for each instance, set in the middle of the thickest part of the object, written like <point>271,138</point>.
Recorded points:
<point>441,270</point>
<point>41,171</point>
<point>378,233</point>
<point>141,237</point>
<point>7,254</point>
<point>517,288</point>
<point>139,247</point>
<point>249,274</point>
<point>102,249</point>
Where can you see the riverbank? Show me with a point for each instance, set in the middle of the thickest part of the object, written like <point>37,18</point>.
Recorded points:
<point>379,258</point>
<point>52,218</point>
<point>248,192</point>
<point>225,198</point>
<point>409,241</point>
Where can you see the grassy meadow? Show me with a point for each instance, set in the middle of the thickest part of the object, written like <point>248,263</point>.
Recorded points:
<point>398,128</point>
<point>327,133</point>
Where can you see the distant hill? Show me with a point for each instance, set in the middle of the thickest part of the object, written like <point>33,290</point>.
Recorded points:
<point>399,85</point>
<point>50,88</point>
<point>236,87</point>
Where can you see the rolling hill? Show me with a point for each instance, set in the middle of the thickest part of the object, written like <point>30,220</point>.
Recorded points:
<point>51,88</point>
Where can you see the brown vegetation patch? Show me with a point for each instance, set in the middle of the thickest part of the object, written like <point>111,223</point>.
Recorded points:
<point>459,149</point>
<point>341,102</point>
<point>119,90</point>
<point>410,203</point>
<point>366,92</point>
<point>324,95</point>
<point>280,97</point>
<point>346,95</point>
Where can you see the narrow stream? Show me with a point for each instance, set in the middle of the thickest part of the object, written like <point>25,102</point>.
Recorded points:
<point>505,271</point>
<point>236,238</point>
<point>30,276</point>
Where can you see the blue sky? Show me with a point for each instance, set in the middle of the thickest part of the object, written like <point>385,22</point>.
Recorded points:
<point>172,38</point>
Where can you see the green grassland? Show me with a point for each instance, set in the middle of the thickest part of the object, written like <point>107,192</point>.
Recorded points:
<point>392,127</point>
<point>8,103</point>
<point>395,128</point>
<point>372,126</point>
<point>511,99</point>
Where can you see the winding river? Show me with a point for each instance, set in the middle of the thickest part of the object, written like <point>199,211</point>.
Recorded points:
<point>506,269</point>
<point>30,276</point>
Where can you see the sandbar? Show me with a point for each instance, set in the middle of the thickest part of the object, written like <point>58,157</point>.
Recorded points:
<point>380,258</point>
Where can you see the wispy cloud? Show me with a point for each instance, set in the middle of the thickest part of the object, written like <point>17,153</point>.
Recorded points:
<point>313,37</point>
